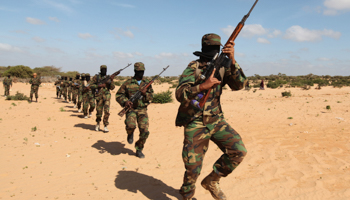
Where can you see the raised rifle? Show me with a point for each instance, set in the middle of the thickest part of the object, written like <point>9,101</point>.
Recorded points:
<point>138,94</point>
<point>221,60</point>
<point>104,80</point>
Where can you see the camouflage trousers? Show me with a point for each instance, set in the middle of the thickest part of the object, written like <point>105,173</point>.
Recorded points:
<point>74,95</point>
<point>34,89</point>
<point>69,94</point>
<point>7,90</point>
<point>64,92</point>
<point>103,103</point>
<point>141,117</point>
<point>58,92</point>
<point>195,146</point>
<point>80,99</point>
<point>88,99</point>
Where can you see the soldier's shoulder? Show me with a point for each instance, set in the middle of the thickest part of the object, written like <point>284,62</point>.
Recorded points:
<point>193,64</point>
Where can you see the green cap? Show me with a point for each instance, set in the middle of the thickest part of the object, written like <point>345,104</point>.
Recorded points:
<point>103,67</point>
<point>139,66</point>
<point>211,39</point>
<point>87,74</point>
<point>82,75</point>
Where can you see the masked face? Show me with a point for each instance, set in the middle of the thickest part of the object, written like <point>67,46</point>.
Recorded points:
<point>83,78</point>
<point>65,78</point>
<point>139,75</point>
<point>103,71</point>
<point>8,76</point>
<point>70,79</point>
<point>87,78</point>
<point>77,77</point>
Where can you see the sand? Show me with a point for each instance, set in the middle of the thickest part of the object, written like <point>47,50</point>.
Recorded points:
<point>297,149</point>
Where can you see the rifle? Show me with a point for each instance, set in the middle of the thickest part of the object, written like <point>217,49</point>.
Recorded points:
<point>111,76</point>
<point>138,94</point>
<point>222,60</point>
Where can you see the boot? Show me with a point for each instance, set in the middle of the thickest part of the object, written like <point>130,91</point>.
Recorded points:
<point>31,99</point>
<point>74,106</point>
<point>90,114</point>
<point>139,154</point>
<point>36,100</point>
<point>97,128</point>
<point>85,117</point>
<point>131,138</point>
<point>106,129</point>
<point>211,183</point>
<point>79,111</point>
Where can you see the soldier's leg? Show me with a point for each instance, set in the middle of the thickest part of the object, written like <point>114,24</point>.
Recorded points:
<point>57,92</point>
<point>195,146</point>
<point>130,122</point>
<point>7,90</point>
<point>85,104</point>
<point>143,124</point>
<point>231,144</point>
<point>80,99</point>
<point>31,93</point>
<point>99,109</point>
<point>37,93</point>
<point>69,95</point>
<point>92,105</point>
<point>106,109</point>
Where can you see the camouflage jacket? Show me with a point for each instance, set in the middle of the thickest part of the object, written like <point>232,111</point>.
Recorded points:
<point>188,89</point>
<point>87,90</point>
<point>105,90</point>
<point>74,86</point>
<point>129,88</point>
<point>35,81</point>
<point>7,81</point>
<point>58,82</point>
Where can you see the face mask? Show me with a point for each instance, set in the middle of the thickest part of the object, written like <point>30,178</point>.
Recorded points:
<point>83,78</point>
<point>88,78</point>
<point>139,74</point>
<point>77,77</point>
<point>103,72</point>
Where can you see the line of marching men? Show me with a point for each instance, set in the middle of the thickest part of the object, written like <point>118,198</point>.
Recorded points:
<point>88,93</point>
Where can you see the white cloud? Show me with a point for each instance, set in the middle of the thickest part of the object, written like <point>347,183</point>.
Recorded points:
<point>34,21</point>
<point>9,48</point>
<point>249,30</point>
<point>85,35</point>
<point>55,19</point>
<point>119,54</point>
<point>263,41</point>
<point>138,54</point>
<point>58,6</point>
<point>124,5</point>
<point>299,34</point>
<point>323,59</point>
<point>38,39</point>
<point>118,32</point>
<point>334,6</point>
<point>274,33</point>
<point>238,54</point>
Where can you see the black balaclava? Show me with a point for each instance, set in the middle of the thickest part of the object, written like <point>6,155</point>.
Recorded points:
<point>83,78</point>
<point>8,76</point>
<point>103,71</point>
<point>139,75</point>
<point>77,77</point>
<point>65,78</point>
<point>70,79</point>
<point>87,78</point>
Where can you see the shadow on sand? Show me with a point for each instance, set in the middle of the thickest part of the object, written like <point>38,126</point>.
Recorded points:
<point>150,187</point>
<point>85,126</point>
<point>114,148</point>
<point>79,115</point>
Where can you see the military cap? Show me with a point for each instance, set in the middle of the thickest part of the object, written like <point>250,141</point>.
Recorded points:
<point>82,75</point>
<point>211,39</point>
<point>103,67</point>
<point>77,74</point>
<point>210,45</point>
<point>87,74</point>
<point>139,66</point>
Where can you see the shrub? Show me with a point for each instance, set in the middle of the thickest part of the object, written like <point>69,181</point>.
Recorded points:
<point>18,96</point>
<point>19,71</point>
<point>286,94</point>
<point>163,97</point>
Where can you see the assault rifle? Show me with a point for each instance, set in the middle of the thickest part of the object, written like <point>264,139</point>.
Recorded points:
<point>138,94</point>
<point>221,60</point>
<point>104,80</point>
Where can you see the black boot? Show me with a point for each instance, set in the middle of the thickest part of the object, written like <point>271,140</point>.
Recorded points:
<point>131,138</point>
<point>139,154</point>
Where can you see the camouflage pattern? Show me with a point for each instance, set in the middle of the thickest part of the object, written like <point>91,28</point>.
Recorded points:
<point>211,39</point>
<point>7,82</point>
<point>139,111</point>
<point>58,90</point>
<point>103,67</point>
<point>35,82</point>
<point>88,99</point>
<point>103,98</point>
<point>202,125</point>
<point>139,66</point>
<point>69,90</point>
<point>63,89</point>
<point>75,90</point>
<point>80,92</point>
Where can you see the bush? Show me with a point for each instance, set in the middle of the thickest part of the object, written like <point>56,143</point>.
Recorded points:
<point>286,94</point>
<point>19,71</point>
<point>18,96</point>
<point>163,97</point>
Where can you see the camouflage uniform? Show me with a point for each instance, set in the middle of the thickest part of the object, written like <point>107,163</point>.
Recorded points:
<point>7,82</point>
<point>58,86</point>
<point>75,90</point>
<point>208,123</point>
<point>35,87</point>
<point>103,97</point>
<point>69,90</point>
<point>139,111</point>
<point>88,99</point>
<point>80,92</point>
<point>63,89</point>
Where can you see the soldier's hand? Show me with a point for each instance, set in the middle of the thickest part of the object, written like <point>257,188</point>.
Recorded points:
<point>128,104</point>
<point>210,82</point>
<point>143,91</point>
<point>229,50</point>
<point>102,85</point>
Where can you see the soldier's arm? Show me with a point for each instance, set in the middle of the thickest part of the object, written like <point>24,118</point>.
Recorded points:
<point>149,94</point>
<point>112,85</point>
<point>235,77</point>
<point>93,85</point>
<point>120,96</point>
<point>187,90</point>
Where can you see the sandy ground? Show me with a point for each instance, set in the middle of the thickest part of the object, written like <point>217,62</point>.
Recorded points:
<point>306,157</point>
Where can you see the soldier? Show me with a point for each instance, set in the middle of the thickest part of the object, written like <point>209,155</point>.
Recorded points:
<point>138,110</point>
<point>88,97</point>
<point>75,89</point>
<point>80,92</point>
<point>63,89</point>
<point>69,89</point>
<point>58,87</point>
<point>35,82</point>
<point>7,82</point>
<point>208,123</point>
<point>103,96</point>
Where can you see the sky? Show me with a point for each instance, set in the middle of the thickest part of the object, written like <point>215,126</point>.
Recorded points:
<point>296,37</point>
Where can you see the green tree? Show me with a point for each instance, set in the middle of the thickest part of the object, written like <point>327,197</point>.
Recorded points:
<point>19,71</point>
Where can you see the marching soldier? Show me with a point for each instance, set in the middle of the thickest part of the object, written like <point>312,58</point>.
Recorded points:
<point>35,82</point>
<point>7,82</point>
<point>88,98</point>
